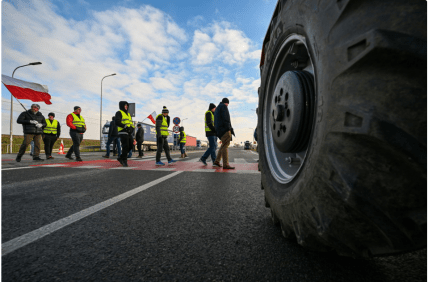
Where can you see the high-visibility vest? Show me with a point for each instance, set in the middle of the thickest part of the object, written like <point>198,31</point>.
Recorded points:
<point>184,138</point>
<point>78,122</point>
<point>164,126</point>
<point>51,128</point>
<point>212,118</point>
<point>126,119</point>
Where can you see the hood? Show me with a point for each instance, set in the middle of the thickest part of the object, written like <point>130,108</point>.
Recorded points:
<point>181,128</point>
<point>122,106</point>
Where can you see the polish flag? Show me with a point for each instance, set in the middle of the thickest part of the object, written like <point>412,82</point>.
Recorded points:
<point>152,117</point>
<point>26,90</point>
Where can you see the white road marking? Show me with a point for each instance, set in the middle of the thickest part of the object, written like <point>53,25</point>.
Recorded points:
<point>54,165</point>
<point>240,161</point>
<point>123,167</point>
<point>19,167</point>
<point>204,170</point>
<point>164,169</point>
<point>32,236</point>
<point>87,166</point>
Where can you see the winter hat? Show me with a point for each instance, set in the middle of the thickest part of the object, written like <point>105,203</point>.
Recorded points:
<point>51,114</point>
<point>35,105</point>
<point>139,125</point>
<point>76,107</point>
<point>165,110</point>
<point>225,100</point>
<point>212,106</point>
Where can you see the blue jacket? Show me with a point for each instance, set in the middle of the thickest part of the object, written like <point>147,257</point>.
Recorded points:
<point>222,120</point>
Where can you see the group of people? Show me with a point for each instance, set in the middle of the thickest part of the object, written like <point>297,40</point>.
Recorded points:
<point>37,128</point>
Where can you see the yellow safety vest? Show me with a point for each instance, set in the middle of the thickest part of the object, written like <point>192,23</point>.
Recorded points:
<point>78,122</point>
<point>184,138</point>
<point>51,128</point>
<point>164,126</point>
<point>126,119</point>
<point>212,117</point>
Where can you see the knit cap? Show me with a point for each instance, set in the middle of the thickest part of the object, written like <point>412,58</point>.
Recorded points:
<point>165,110</point>
<point>76,107</point>
<point>225,100</point>
<point>212,106</point>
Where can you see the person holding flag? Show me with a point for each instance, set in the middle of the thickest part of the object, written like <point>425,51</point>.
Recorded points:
<point>32,123</point>
<point>51,133</point>
<point>162,133</point>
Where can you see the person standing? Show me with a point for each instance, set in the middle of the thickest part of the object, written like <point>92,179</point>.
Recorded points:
<point>182,141</point>
<point>211,135</point>
<point>224,131</point>
<point>51,133</point>
<point>125,129</point>
<point>32,124</point>
<point>140,140</point>
<point>77,127</point>
<point>112,137</point>
<point>162,133</point>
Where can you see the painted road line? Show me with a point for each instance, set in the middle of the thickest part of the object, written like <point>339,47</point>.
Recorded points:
<point>248,171</point>
<point>87,166</point>
<point>18,167</point>
<point>55,165</point>
<point>240,161</point>
<point>35,235</point>
<point>123,167</point>
<point>204,170</point>
<point>164,169</point>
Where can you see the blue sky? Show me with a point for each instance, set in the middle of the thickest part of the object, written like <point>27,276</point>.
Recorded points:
<point>181,54</point>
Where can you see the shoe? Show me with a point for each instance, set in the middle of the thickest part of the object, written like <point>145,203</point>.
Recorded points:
<point>185,155</point>
<point>105,156</point>
<point>125,163</point>
<point>160,163</point>
<point>69,157</point>
<point>37,159</point>
<point>203,161</point>
<point>120,160</point>
<point>31,154</point>
<point>140,157</point>
<point>228,167</point>
<point>79,159</point>
<point>217,164</point>
<point>172,161</point>
<point>18,158</point>
<point>50,157</point>
<point>182,156</point>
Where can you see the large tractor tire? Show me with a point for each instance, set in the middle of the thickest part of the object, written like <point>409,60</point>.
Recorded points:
<point>342,124</point>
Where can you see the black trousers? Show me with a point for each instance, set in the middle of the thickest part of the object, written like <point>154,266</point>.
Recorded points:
<point>49,140</point>
<point>127,143</point>
<point>162,142</point>
<point>77,138</point>
<point>140,150</point>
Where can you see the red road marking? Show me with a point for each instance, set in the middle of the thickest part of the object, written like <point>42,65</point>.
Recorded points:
<point>150,165</point>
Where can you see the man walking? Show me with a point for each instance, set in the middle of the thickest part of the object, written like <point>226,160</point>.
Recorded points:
<point>125,129</point>
<point>112,137</point>
<point>162,133</point>
<point>224,131</point>
<point>182,142</point>
<point>140,140</point>
<point>211,135</point>
<point>77,127</point>
<point>51,133</point>
<point>32,124</point>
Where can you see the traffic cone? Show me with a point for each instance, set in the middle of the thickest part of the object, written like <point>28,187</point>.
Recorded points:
<point>61,149</point>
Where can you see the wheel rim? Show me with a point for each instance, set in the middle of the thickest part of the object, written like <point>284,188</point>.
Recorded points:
<point>289,109</point>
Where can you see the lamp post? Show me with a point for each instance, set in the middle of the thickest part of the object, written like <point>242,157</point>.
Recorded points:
<point>11,104</point>
<point>101,108</point>
<point>183,120</point>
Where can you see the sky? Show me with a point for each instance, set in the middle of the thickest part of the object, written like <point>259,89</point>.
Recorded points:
<point>179,54</point>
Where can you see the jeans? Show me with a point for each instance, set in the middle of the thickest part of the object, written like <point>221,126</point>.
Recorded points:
<point>77,138</point>
<point>126,145</point>
<point>182,148</point>
<point>32,147</point>
<point>162,143</point>
<point>115,140</point>
<point>28,138</point>
<point>211,150</point>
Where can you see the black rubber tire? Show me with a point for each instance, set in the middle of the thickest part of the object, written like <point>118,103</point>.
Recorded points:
<point>362,190</point>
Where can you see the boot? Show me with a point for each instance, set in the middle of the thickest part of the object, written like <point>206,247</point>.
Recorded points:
<point>185,155</point>
<point>182,156</point>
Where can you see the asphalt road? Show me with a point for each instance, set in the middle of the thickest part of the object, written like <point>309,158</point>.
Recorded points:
<point>96,221</point>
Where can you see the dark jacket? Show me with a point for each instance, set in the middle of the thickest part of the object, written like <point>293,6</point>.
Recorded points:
<point>140,135</point>
<point>118,119</point>
<point>159,124</point>
<point>210,124</point>
<point>112,130</point>
<point>222,120</point>
<point>29,128</point>
<point>181,134</point>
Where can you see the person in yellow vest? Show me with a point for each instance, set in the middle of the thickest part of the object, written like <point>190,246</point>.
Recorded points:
<point>211,135</point>
<point>162,133</point>
<point>182,141</point>
<point>77,127</point>
<point>125,129</point>
<point>51,133</point>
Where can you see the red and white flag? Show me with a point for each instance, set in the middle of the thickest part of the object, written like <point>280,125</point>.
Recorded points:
<point>26,90</point>
<point>152,117</point>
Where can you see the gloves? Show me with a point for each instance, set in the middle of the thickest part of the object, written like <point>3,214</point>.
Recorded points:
<point>33,121</point>
<point>38,125</point>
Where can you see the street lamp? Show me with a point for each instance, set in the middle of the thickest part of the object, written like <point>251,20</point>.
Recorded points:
<point>183,120</point>
<point>11,103</point>
<point>101,108</point>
